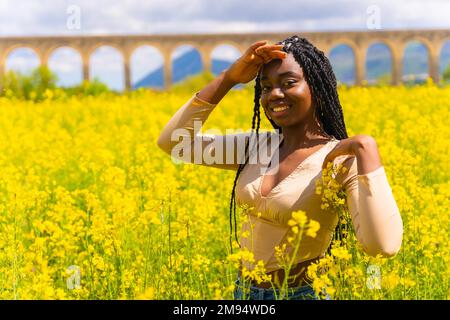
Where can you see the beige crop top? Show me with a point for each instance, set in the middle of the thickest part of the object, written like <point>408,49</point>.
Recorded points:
<point>374,212</point>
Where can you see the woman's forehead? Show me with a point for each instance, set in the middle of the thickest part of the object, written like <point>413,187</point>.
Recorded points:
<point>281,67</point>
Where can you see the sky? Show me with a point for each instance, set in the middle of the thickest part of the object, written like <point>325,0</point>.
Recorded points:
<point>89,17</point>
<point>30,17</point>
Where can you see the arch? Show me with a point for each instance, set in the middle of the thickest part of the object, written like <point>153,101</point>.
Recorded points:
<point>342,41</point>
<point>49,50</point>
<point>420,39</point>
<point>342,58</point>
<point>109,69</point>
<point>222,56</point>
<point>67,64</point>
<point>147,67</point>
<point>415,62</point>
<point>24,59</point>
<point>185,61</point>
<point>92,49</point>
<point>6,52</point>
<point>378,64</point>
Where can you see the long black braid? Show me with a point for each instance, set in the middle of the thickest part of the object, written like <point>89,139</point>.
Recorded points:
<point>321,80</point>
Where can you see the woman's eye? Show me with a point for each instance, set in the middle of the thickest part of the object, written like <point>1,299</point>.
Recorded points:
<point>287,83</point>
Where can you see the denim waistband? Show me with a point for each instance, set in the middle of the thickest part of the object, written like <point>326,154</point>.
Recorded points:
<point>264,292</point>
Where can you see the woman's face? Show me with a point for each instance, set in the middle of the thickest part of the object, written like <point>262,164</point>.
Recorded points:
<point>285,95</point>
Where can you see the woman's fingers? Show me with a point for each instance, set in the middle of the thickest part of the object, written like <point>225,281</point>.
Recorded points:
<point>268,47</point>
<point>268,56</point>
<point>269,52</point>
<point>258,44</point>
<point>266,52</point>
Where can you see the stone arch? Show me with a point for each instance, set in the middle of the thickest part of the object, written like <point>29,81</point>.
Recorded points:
<point>89,51</point>
<point>407,66</point>
<point>64,79</point>
<point>341,41</point>
<point>343,75</point>
<point>6,52</point>
<point>49,50</point>
<point>433,54</point>
<point>189,69</point>
<point>118,83</point>
<point>149,80</point>
<point>231,53</point>
<point>378,63</point>
<point>420,39</point>
<point>11,49</point>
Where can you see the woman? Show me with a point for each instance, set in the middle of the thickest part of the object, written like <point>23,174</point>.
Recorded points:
<point>296,87</point>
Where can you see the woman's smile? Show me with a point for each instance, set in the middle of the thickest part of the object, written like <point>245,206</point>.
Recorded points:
<point>280,109</point>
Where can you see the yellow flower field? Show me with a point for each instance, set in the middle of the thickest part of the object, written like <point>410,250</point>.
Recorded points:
<point>91,208</point>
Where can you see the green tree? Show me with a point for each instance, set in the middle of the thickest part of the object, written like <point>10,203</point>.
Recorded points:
<point>30,87</point>
<point>446,74</point>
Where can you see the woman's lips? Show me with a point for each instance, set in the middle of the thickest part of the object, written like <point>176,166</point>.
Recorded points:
<point>279,110</point>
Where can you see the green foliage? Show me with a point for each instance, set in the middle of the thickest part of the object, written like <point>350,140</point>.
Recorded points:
<point>197,82</point>
<point>446,74</point>
<point>88,88</point>
<point>29,87</point>
<point>41,84</point>
<point>193,83</point>
<point>384,79</point>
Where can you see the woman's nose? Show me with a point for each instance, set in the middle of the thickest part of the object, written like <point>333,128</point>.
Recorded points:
<point>275,93</point>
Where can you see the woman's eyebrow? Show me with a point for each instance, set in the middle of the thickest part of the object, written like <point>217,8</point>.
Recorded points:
<point>287,73</point>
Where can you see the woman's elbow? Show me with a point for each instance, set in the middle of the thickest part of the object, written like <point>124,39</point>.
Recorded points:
<point>160,142</point>
<point>388,249</point>
<point>391,250</point>
<point>163,143</point>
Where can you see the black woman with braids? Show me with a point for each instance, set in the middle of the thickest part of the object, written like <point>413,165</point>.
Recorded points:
<point>296,88</point>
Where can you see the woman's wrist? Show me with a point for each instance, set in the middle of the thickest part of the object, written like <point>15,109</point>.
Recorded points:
<point>216,89</point>
<point>227,79</point>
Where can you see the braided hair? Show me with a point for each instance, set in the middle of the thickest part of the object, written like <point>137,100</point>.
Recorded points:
<point>323,86</point>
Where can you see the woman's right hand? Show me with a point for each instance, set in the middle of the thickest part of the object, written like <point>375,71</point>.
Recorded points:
<point>247,66</point>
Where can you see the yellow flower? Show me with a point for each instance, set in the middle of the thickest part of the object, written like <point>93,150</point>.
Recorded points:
<point>314,226</point>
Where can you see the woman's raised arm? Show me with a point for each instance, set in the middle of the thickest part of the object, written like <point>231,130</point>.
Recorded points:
<point>180,137</point>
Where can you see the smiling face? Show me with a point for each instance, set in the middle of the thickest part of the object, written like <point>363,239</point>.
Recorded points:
<point>285,94</point>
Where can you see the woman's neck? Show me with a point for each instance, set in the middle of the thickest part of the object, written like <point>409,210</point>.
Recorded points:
<point>302,136</point>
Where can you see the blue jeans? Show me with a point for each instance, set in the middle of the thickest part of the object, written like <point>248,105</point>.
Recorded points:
<point>305,292</point>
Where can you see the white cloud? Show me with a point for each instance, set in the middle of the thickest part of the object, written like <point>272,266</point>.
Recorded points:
<point>202,16</point>
<point>181,50</point>
<point>225,52</point>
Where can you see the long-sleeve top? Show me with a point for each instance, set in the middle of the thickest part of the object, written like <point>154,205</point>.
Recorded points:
<point>375,216</point>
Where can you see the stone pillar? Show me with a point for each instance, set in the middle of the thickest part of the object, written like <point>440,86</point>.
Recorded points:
<point>433,64</point>
<point>360,65</point>
<point>167,69</point>
<point>85,60</point>
<point>43,59</point>
<point>397,65</point>
<point>205,54</point>
<point>127,72</point>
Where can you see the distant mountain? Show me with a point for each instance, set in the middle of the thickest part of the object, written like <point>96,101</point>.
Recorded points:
<point>378,63</point>
<point>185,65</point>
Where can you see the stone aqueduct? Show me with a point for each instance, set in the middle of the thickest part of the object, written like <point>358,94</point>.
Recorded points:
<point>359,42</point>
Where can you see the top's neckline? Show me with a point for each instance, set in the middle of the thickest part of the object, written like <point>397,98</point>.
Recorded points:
<point>301,164</point>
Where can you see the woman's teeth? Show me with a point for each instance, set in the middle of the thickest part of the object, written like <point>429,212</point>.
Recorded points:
<point>278,109</point>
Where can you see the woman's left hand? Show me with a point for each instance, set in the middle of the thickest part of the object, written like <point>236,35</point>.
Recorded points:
<point>365,149</point>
